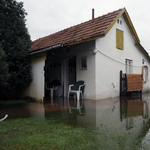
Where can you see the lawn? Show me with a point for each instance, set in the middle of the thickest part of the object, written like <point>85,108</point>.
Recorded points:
<point>53,134</point>
<point>47,134</point>
<point>34,133</point>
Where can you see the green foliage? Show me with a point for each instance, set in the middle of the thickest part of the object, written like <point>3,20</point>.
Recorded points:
<point>15,42</point>
<point>3,68</point>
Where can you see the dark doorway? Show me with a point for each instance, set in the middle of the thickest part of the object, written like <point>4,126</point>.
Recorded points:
<point>69,73</point>
<point>72,70</point>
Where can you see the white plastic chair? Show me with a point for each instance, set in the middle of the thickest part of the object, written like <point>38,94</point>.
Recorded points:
<point>53,86</point>
<point>52,90</point>
<point>78,89</point>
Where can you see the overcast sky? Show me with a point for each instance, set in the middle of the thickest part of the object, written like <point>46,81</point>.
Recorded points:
<point>49,16</point>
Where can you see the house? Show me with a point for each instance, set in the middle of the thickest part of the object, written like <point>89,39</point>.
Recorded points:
<point>94,51</point>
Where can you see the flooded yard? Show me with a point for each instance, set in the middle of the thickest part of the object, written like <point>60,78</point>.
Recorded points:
<point>127,119</point>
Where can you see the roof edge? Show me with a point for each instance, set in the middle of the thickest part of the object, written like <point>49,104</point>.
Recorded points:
<point>129,23</point>
<point>112,24</point>
<point>143,51</point>
<point>131,27</point>
<point>45,49</point>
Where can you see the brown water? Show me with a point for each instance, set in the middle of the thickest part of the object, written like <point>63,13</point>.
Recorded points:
<point>114,115</point>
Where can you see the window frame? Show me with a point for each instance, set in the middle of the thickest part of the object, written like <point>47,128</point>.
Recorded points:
<point>129,66</point>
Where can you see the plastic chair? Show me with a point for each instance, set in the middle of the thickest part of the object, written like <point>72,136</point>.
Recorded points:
<point>78,89</point>
<point>53,86</point>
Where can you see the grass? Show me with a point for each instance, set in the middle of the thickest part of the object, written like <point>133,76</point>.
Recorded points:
<point>54,133</point>
<point>34,133</point>
<point>47,134</point>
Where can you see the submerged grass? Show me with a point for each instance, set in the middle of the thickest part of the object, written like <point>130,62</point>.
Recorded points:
<point>47,134</point>
<point>34,133</point>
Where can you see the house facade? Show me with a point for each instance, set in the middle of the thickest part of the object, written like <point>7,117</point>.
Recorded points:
<point>94,51</point>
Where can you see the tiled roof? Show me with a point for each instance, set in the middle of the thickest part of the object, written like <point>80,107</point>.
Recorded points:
<point>134,82</point>
<point>92,28</point>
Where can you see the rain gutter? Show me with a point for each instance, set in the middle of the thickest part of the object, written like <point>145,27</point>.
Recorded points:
<point>46,49</point>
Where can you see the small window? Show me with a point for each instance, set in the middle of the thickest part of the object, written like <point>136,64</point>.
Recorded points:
<point>129,66</point>
<point>118,21</point>
<point>83,63</point>
<point>119,39</point>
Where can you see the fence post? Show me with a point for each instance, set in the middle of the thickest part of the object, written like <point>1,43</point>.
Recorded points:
<point>120,83</point>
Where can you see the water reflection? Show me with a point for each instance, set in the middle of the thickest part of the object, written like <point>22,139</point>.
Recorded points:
<point>114,115</point>
<point>133,111</point>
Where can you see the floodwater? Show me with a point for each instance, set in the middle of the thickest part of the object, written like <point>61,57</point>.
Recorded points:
<point>116,116</point>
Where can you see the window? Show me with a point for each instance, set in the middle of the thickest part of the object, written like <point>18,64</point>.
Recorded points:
<point>128,65</point>
<point>120,22</point>
<point>119,39</point>
<point>83,63</point>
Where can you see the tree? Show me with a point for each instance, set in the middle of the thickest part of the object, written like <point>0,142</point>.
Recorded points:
<point>3,68</point>
<point>15,42</point>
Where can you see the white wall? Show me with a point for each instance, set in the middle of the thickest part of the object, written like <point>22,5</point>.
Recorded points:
<point>36,89</point>
<point>103,69</point>
<point>107,70</point>
<point>87,75</point>
<point>86,50</point>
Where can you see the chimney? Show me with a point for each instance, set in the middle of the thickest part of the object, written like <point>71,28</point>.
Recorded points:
<point>92,13</point>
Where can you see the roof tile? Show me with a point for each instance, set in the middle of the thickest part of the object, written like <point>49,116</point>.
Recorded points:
<point>85,30</point>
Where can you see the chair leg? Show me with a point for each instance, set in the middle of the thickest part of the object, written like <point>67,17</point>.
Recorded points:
<point>80,111</point>
<point>82,100</point>
<point>68,95</point>
<point>51,93</point>
<point>82,95</point>
<point>74,96</point>
<point>79,107</point>
<point>69,107</point>
<point>78,100</point>
<point>69,103</point>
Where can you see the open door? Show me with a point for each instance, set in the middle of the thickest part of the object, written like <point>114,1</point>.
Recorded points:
<point>68,73</point>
